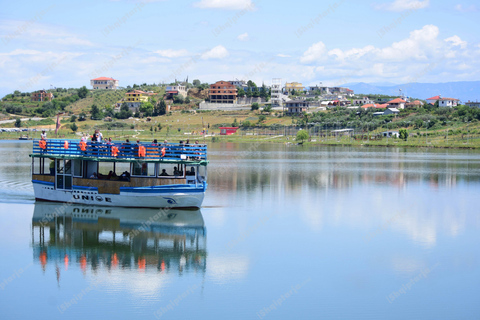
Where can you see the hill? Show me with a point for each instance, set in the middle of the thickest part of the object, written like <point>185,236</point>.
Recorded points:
<point>463,90</point>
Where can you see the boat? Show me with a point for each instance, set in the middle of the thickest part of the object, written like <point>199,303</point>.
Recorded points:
<point>122,174</point>
<point>168,240</point>
<point>25,137</point>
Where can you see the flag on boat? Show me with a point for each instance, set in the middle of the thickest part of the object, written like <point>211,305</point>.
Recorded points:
<point>58,123</point>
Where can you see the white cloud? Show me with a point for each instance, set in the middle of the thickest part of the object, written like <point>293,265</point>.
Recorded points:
<point>314,53</point>
<point>402,5</point>
<point>170,53</point>
<point>281,55</point>
<point>218,52</point>
<point>456,41</point>
<point>354,53</point>
<point>225,4</point>
<point>461,8</point>
<point>243,37</point>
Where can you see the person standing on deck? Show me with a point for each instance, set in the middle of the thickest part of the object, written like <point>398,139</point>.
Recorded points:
<point>43,136</point>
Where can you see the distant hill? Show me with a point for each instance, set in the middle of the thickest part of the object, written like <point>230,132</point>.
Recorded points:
<point>463,90</point>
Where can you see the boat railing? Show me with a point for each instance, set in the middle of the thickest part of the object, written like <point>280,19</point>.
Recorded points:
<point>120,150</point>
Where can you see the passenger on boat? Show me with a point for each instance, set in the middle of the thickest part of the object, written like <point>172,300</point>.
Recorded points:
<point>127,148</point>
<point>164,173</point>
<point>43,136</point>
<point>191,172</point>
<point>93,176</point>
<point>125,176</point>
<point>176,172</point>
<point>84,138</point>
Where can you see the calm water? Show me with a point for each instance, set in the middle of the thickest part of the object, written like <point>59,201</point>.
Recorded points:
<point>285,233</point>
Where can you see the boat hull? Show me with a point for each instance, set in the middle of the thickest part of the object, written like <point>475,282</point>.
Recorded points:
<point>174,197</point>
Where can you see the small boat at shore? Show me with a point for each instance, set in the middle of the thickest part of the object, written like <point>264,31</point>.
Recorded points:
<point>25,138</point>
<point>147,175</point>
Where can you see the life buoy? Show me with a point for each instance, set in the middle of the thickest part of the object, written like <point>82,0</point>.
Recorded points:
<point>141,151</point>
<point>42,144</point>
<point>163,152</point>
<point>83,146</point>
<point>114,151</point>
<point>65,144</point>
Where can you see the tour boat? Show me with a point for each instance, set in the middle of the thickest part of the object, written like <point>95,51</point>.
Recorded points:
<point>123,174</point>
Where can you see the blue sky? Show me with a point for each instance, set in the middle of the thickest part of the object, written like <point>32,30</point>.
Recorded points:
<point>65,44</point>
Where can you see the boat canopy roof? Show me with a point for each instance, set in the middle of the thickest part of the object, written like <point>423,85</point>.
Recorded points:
<point>117,151</point>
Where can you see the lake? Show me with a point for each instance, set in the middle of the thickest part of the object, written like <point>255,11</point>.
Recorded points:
<point>285,232</point>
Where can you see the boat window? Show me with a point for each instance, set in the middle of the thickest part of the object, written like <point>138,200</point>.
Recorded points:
<point>202,174</point>
<point>122,167</point>
<point>77,168</point>
<point>42,166</point>
<point>143,169</point>
<point>60,166</point>
<point>171,170</point>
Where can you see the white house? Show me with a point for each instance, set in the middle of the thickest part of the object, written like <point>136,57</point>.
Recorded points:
<point>448,102</point>
<point>432,100</point>
<point>390,134</point>
<point>397,103</point>
<point>104,83</point>
<point>391,111</point>
<point>296,106</point>
<point>472,104</point>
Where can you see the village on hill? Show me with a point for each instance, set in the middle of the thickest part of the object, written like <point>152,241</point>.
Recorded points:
<point>281,108</point>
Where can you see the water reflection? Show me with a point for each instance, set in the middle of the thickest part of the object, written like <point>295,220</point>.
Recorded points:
<point>291,167</point>
<point>92,238</point>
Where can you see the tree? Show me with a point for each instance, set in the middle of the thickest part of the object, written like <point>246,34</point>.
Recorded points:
<point>302,135</point>
<point>162,108</point>
<point>235,123</point>
<point>82,92</point>
<point>255,106</point>
<point>240,92</point>
<point>246,124</point>
<point>82,116</point>
<point>73,118</point>
<point>18,122</point>
<point>196,83</point>
<point>160,127</point>
<point>74,127</point>
<point>178,99</point>
<point>248,93</point>
<point>96,113</point>
<point>261,118</point>
<point>187,100</point>
<point>124,113</point>
<point>403,134</point>
<point>251,84</point>
<point>146,108</point>
<point>267,108</point>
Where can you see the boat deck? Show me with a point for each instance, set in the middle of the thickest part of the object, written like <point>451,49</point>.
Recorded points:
<point>120,151</point>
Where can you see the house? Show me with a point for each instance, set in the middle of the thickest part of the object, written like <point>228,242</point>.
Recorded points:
<point>239,83</point>
<point>448,102</point>
<point>104,83</point>
<point>362,101</point>
<point>432,100</point>
<point>390,134</point>
<point>472,104</point>
<point>135,98</point>
<point>414,104</point>
<point>296,107</point>
<point>42,95</point>
<point>226,131</point>
<point>394,111</point>
<point>297,86</point>
<point>175,90</point>
<point>379,113</point>
<point>223,92</point>
<point>397,103</point>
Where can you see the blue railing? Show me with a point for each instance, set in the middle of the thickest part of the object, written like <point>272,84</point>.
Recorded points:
<point>120,150</point>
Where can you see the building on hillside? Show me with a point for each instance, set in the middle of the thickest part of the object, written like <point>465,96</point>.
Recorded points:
<point>361,101</point>
<point>397,103</point>
<point>394,111</point>
<point>135,98</point>
<point>175,90</point>
<point>432,100</point>
<point>414,104</point>
<point>104,83</point>
<point>296,107</point>
<point>391,134</point>
<point>226,131</point>
<point>239,83</point>
<point>448,102</point>
<point>297,86</point>
<point>223,92</point>
<point>42,95</point>
<point>276,93</point>
<point>472,104</point>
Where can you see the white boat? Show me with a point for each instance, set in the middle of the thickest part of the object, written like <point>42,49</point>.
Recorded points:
<point>120,174</point>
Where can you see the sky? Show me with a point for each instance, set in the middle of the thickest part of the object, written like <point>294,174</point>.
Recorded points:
<point>45,44</point>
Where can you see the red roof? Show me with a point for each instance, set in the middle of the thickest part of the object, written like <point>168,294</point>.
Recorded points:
<point>434,98</point>
<point>398,100</point>
<point>451,99</point>
<point>136,92</point>
<point>381,106</point>
<point>370,105</point>
<point>104,78</point>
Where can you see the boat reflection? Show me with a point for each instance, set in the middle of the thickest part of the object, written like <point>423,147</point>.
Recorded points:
<point>91,237</point>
